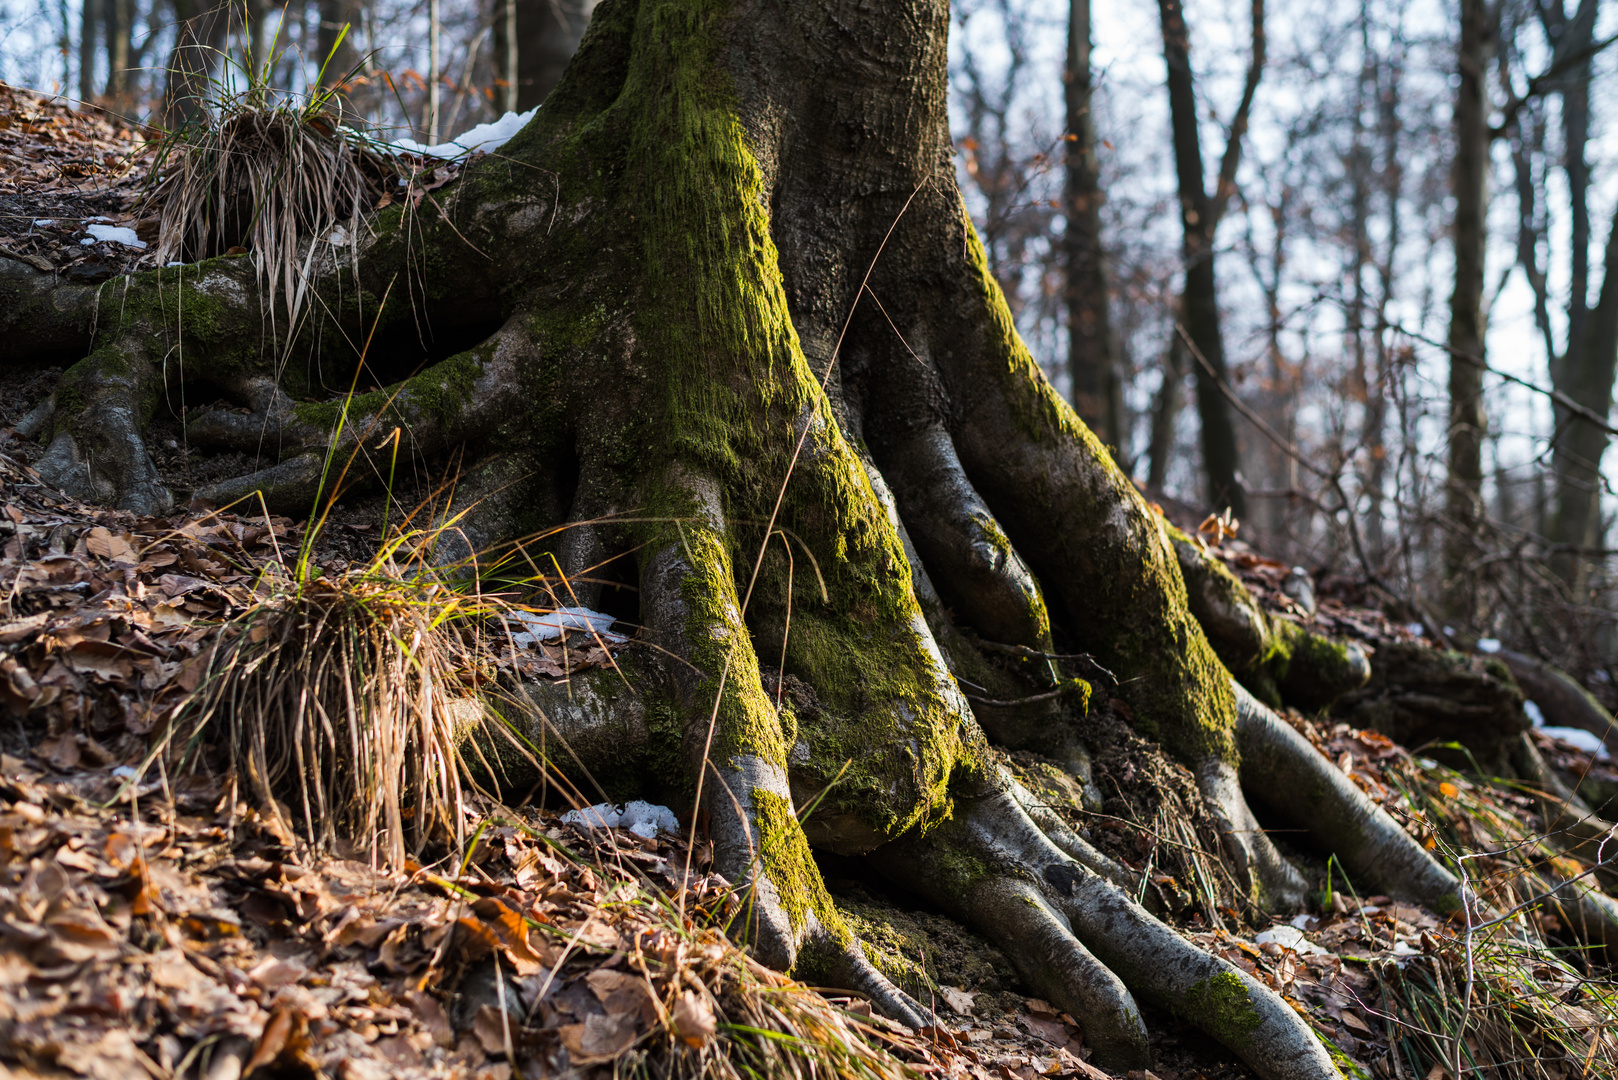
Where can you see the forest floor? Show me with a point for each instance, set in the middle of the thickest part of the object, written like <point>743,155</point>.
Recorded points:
<point>155,922</point>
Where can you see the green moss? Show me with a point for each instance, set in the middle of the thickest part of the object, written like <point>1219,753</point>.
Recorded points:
<point>1311,669</point>
<point>959,871</point>
<point>1221,1007</point>
<point>792,870</point>
<point>439,393</point>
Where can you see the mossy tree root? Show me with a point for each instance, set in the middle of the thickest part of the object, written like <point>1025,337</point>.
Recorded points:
<point>1072,934</point>
<point>1278,660</point>
<point>1297,780</point>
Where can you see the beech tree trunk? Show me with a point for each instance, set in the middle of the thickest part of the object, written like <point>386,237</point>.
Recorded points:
<point>1469,179</point>
<point>1200,214</point>
<point>1093,362</point>
<point>719,312</point>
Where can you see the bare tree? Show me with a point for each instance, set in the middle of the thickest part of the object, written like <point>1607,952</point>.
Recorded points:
<point>1469,181</point>
<point>1097,389</point>
<point>1200,214</point>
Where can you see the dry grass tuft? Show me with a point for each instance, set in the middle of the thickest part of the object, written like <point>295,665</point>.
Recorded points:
<point>1501,1000</point>
<point>262,173</point>
<point>345,701</point>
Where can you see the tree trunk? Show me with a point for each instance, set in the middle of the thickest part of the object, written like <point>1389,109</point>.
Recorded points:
<point>1165,410</point>
<point>1576,459</point>
<point>119,17</point>
<point>335,40</point>
<point>536,40</point>
<point>1469,179</point>
<point>1582,370</point>
<point>1199,220</point>
<point>732,319</point>
<point>1098,385</point>
<point>199,38</point>
<point>88,27</point>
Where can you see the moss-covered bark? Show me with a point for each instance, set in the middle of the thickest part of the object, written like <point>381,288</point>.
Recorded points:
<point>672,268</point>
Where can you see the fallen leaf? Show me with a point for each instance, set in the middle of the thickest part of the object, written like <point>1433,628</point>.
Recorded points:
<point>693,1019</point>
<point>958,999</point>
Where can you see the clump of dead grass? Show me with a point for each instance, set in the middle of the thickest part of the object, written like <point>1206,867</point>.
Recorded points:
<point>260,171</point>
<point>1498,999</point>
<point>345,701</point>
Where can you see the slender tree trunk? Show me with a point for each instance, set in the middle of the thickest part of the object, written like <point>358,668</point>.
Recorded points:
<point>199,37</point>
<point>1577,457</point>
<point>336,48</point>
<point>1199,219</point>
<point>1376,408</point>
<point>1165,410</point>
<point>88,27</point>
<point>119,15</point>
<point>433,72</point>
<point>1469,179</point>
<point>1583,370</point>
<point>504,22</point>
<point>1098,394</point>
<point>547,33</point>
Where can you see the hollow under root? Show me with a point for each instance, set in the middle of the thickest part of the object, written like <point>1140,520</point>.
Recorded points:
<point>1081,940</point>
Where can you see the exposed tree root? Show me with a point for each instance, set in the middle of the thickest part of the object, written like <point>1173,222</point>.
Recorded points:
<point>666,377</point>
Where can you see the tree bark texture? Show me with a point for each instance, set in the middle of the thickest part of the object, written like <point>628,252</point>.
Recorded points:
<point>1200,214</point>
<point>720,311</point>
<point>1469,180</point>
<point>1098,394</point>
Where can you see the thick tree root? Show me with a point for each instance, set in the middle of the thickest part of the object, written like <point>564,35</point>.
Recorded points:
<point>1072,934</point>
<point>984,580</point>
<point>1272,882</point>
<point>1285,771</point>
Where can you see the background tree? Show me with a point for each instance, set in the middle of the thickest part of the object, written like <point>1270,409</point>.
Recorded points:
<point>1200,214</point>
<point>1097,383</point>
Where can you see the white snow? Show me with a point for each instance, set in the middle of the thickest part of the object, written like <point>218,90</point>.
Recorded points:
<point>1290,937</point>
<point>551,624</point>
<point>1414,629</point>
<point>644,819</point>
<point>1532,709</point>
<point>1584,740</point>
<point>116,234</point>
<point>1488,645</point>
<point>44,221</point>
<point>485,138</point>
<point>338,237</point>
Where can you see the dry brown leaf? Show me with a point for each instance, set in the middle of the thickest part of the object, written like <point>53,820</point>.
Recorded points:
<point>432,1017</point>
<point>693,1019</point>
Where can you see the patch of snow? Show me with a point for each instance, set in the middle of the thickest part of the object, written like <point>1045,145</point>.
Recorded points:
<point>644,819</point>
<point>115,234</point>
<point>174,262</point>
<point>1402,947</point>
<point>1532,709</point>
<point>1290,937</point>
<point>1488,644</point>
<point>88,240</point>
<point>1301,922</point>
<point>44,221</point>
<point>485,138</point>
<point>1449,631</point>
<point>551,624</point>
<point>1587,741</point>
<point>1414,629</point>
<point>338,237</point>
<point>125,772</point>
